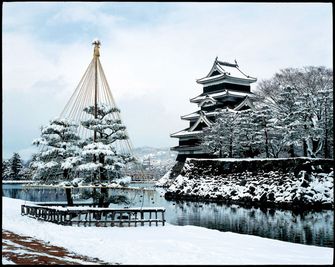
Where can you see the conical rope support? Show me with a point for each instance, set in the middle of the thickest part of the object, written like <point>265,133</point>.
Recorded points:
<point>93,81</point>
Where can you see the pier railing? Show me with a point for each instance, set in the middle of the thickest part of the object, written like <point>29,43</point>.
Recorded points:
<point>90,216</point>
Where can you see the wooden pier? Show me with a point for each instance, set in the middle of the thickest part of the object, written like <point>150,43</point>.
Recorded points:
<point>92,216</point>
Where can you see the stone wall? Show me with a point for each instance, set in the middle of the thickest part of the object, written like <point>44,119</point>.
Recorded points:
<point>288,183</point>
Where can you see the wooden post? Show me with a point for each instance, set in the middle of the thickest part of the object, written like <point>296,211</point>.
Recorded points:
<point>113,218</point>
<point>106,218</point>
<point>86,215</point>
<point>150,218</point>
<point>156,218</point>
<point>142,218</point>
<point>96,55</point>
<point>69,196</point>
<point>163,219</point>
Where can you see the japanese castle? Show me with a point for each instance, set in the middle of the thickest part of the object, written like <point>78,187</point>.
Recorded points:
<point>224,87</point>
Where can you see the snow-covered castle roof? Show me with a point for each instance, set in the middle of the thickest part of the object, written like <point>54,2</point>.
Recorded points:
<point>226,71</point>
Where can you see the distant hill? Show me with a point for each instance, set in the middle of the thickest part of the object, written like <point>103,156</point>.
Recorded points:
<point>155,156</point>
<point>156,161</point>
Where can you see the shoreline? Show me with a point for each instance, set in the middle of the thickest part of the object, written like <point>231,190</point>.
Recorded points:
<point>170,196</point>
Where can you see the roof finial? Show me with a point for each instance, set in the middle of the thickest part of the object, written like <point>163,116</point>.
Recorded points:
<point>96,44</point>
<point>236,63</point>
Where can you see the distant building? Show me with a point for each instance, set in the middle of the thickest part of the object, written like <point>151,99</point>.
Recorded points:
<point>225,86</point>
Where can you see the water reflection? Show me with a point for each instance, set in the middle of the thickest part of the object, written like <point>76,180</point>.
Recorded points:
<point>308,227</point>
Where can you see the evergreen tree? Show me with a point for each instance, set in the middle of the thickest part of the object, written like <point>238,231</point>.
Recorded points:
<point>219,139</point>
<point>15,167</point>
<point>6,169</point>
<point>100,159</point>
<point>58,151</point>
<point>262,119</point>
<point>27,171</point>
<point>288,117</point>
<point>327,121</point>
<point>278,135</point>
<point>247,136</point>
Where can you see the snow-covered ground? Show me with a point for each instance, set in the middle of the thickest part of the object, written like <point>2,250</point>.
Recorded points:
<point>164,180</point>
<point>163,244</point>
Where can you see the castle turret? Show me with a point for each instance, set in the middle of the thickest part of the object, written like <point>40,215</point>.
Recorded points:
<point>224,87</point>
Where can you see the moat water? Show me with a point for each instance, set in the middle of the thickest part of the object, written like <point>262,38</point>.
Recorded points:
<point>307,227</point>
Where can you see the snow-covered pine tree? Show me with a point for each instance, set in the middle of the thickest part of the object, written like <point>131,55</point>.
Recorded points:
<point>316,122</point>
<point>316,88</point>
<point>288,116</point>
<point>278,134</point>
<point>327,121</point>
<point>308,125</point>
<point>101,162</point>
<point>219,139</point>
<point>15,167</point>
<point>5,169</point>
<point>27,171</point>
<point>262,118</point>
<point>247,136</point>
<point>58,153</point>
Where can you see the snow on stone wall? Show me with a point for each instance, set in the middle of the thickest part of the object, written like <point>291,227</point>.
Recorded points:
<point>297,182</point>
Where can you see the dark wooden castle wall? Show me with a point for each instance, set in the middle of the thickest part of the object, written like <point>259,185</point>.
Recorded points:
<point>228,86</point>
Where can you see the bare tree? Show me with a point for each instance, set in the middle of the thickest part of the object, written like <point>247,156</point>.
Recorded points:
<point>311,100</point>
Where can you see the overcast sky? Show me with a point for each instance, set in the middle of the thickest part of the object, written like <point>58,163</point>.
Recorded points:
<point>152,53</point>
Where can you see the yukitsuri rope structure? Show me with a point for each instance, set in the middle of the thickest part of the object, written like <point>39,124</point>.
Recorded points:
<point>93,90</point>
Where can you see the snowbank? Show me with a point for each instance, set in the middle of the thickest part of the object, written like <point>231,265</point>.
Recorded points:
<point>163,245</point>
<point>18,181</point>
<point>124,180</point>
<point>164,180</point>
<point>80,182</point>
<point>169,176</point>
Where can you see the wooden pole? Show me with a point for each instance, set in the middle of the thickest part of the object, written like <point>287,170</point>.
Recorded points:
<point>96,55</point>
<point>69,196</point>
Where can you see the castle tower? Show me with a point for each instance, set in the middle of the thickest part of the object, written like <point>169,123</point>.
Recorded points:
<point>225,86</point>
